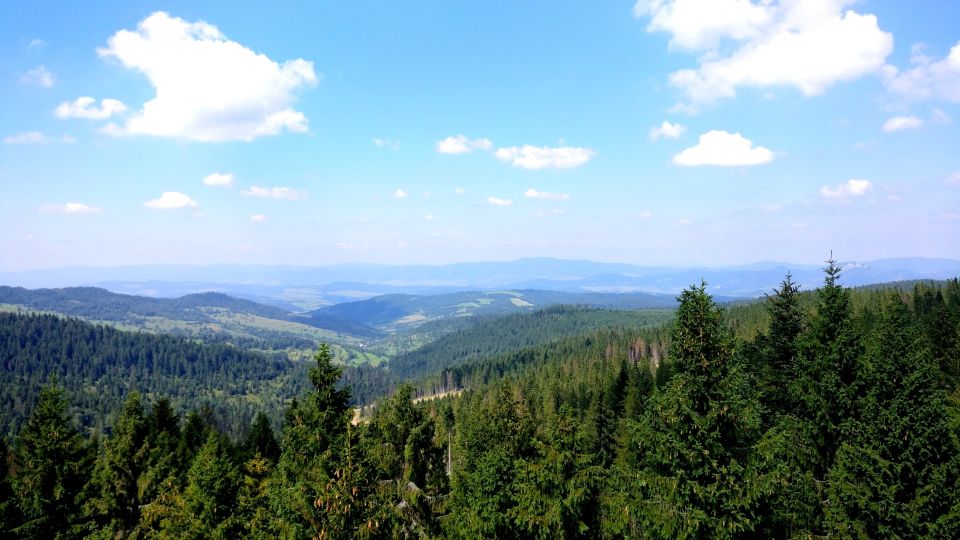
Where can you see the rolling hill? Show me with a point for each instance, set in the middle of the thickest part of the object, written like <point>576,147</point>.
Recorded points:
<point>395,312</point>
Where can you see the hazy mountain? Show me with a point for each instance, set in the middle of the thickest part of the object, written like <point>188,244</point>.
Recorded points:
<point>398,311</point>
<point>307,288</point>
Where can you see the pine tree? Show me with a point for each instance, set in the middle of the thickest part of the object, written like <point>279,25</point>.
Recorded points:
<point>260,440</point>
<point>52,467</point>
<point>694,441</point>
<point>898,475</point>
<point>827,388</point>
<point>313,440</point>
<point>117,476</point>
<point>786,323</point>
<point>212,485</point>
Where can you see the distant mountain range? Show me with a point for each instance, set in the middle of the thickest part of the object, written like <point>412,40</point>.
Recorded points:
<point>307,288</point>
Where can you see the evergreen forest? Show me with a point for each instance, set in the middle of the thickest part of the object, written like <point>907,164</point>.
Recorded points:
<point>832,413</point>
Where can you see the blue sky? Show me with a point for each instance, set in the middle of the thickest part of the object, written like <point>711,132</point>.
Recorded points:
<point>659,132</point>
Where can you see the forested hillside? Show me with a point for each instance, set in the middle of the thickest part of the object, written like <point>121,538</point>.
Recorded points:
<point>439,364</point>
<point>401,311</point>
<point>839,421</point>
<point>99,366</point>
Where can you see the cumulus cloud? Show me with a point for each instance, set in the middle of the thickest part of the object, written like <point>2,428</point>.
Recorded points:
<point>459,191</point>
<point>461,144</point>
<point>218,179</point>
<point>86,107</point>
<point>850,188</point>
<point>34,43</point>
<point>208,88</point>
<point>496,201</point>
<point>171,200</point>
<point>545,157</point>
<point>39,76</point>
<point>927,79</point>
<point>400,194</point>
<point>429,217</point>
<point>286,193</point>
<point>546,195</point>
<point>898,123</point>
<point>36,137</point>
<point>70,208</point>
<point>721,148</point>
<point>806,45</point>
<point>667,131</point>
<point>258,218</point>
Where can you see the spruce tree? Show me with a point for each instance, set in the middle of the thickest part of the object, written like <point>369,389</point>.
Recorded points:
<point>117,477</point>
<point>313,440</point>
<point>898,475</point>
<point>52,468</point>
<point>695,439</point>
<point>786,323</point>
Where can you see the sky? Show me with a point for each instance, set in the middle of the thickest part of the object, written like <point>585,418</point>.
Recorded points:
<point>677,132</point>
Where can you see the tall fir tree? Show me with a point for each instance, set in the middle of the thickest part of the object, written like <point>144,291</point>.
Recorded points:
<point>898,474</point>
<point>695,439</point>
<point>118,499</point>
<point>314,436</point>
<point>52,468</point>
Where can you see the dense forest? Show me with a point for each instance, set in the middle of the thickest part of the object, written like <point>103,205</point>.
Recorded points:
<point>98,366</point>
<point>828,413</point>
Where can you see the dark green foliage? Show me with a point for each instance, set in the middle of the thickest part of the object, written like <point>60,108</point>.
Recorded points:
<point>98,366</point>
<point>491,337</point>
<point>53,465</point>
<point>812,414</point>
<point>117,502</point>
<point>695,438</point>
<point>260,440</point>
<point>898,474</point>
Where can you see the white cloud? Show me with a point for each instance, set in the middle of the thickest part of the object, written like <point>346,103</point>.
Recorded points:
<point>545,157</point>
<point>898,123</point>
<point>937,116</point>
<point>34,43</point>
<point>548,213</point>
<point>546,195</point>
<point>258,218</point>
<point>721,148</point>
<point>39,76</point>
<point>289,194</point>
<point>400,194</point>
<point>701,24</point>
<point>850,188</point>
<point>806,45</point>
<point>667,131</point>
<point>70,208</point>
<point>646,214</point>
<point>459,191</point>
<point>208,88</point>
<point>218,179</point>
<point>429,217</point>
<point>953,179</point>
<point>392,144</point>
<point>86,107</point>
<point>460,144</point>
<point>170,200</point>
<point>496,201</point>
<point>36,137</point>
<point>927,79</point>
<point>683,222</point>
